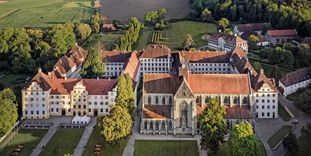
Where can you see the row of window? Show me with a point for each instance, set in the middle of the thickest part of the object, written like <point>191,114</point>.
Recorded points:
<point>157,100</point>
<point>268,100</point>
<point>263,107</point>
<point>267,94</point>
<point>210,69</point>
<point>155,68</point>
<point>35,93</point>
<point>153,64</point>
<point>208,64</point>
<point>266,114</point>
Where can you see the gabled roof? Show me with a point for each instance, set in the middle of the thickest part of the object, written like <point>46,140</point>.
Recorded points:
<point>132,66</point>
<point>227,37</point>
<point>251,27</point>
<point>199,83</point>
<point>261,79</point>
<point>64,86</point>
<point>115,56</point>
<point>296,77</point>
<point>157,111</point>
<point>282,33</point>
<point>204,57</point>
<point>156,51</point>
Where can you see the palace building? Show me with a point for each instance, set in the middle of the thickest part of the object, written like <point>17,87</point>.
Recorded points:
<point>176,88</point>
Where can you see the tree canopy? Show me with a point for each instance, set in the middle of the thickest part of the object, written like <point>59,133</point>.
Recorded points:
<point>213,126</point>
<point>125,93</point>
<point>8,111</point>
<point>290,143</point>
<point>93,66</point>
<point>188,42</point>
<point>242,141</point>
<point>117,125</point>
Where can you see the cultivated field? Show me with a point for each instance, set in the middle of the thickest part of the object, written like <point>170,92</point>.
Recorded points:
<point>41,13</point>
<point>121,10</point>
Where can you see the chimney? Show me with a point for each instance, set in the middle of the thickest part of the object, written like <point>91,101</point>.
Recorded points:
<point>39,70</point>
<point>97,78</point>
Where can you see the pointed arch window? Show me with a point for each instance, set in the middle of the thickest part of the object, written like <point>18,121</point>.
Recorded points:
<point>149,99</point>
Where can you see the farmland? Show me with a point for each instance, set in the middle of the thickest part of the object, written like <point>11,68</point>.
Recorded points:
<point>42,13</point>
<point>121,10</point>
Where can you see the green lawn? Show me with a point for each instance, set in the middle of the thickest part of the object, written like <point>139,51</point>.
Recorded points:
<point>107,150</point>
<point>279,135</point>
<point>41,13</point>
<point>269,69</point>
<point>102,41</point>
<point>176,33</point>
<point>27,137</point>
<point>65,140</point>
<point>283,113</point>
<point>165,148</point>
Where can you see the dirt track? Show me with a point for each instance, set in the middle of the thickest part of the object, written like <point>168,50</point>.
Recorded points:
<point>123,9</point>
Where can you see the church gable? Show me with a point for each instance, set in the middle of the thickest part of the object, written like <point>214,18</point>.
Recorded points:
<point>184,91</point>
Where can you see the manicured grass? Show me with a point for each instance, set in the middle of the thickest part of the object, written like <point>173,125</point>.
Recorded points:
<point>29,138</point>
<point>270,69</point>
<point>304,142</point>
<point>102,41</point>
<point>174,36</point>
<point>64,141</point>
<point>165,148</point>
<point>106,150</point>
<point>41,13</point>
<point>283,113</point>
<point>279,135</point>
<point>177,32</point>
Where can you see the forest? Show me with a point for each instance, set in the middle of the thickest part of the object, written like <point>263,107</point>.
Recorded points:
<point>282,14</point>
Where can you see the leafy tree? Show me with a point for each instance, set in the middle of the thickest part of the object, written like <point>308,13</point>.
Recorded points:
<point>188,42</point>
<point>130,94</point>
<point>290,143</point>
<point>84,31</point>
<point>150,16</point>
<point>96,22</point>
<point>8,111</point>
<point>161,13</point>
<point>206,15</point>
<point>257,66</point>
<point>223,23</point>
<point>117,125</point>
<point>60,38</point>
<point>122,92</point>
<point>20,46</point>
<point>253,38</point>
<point>93,66</point>
<point>5,36</point>
<point>213,126</point>
<point>242,141</point>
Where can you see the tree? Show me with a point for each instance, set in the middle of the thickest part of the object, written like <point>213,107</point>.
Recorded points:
<point>206,15</point>
<point>93,66</point>
<point>161,13</point>
<point>117,125</point>
<point>223,23</point>
<point>257,66</point>
<point>60,38</point>
<point>188,42</point>
<point>242,141</point>
<point>130,94</point>
<point>8,111</point>
<point>290,143</point>
<point>151,16</point>
<point>213,126</point>
<point>84,31</point>
<point>253,38</point>
<point>122,92</point>
<point>96,22</point>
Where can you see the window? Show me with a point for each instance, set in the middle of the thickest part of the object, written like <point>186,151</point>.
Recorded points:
<point>101,110</point>
<point>156,100</point>
<point>197,100</point>
<point>31,112</point>
<point>262,101</point>
<point>37,112</point>
<point>149,99</point>
<point>43,112</point>
<point>26,112</point>
<point>170,100</point>
<point>268,114</point>
<point>263,107</point>
<point>273,107</point>
<point>57,110</point>
<point>52,109</point>
<point>262,114</point>
<point>163,100</point>
<point>268,106</point>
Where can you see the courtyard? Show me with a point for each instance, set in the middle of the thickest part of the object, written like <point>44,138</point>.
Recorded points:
<point>63,141</point>
<point>165,148</point>
<point>29,138</point>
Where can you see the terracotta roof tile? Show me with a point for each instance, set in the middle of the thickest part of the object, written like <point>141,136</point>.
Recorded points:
<point>157,111</point>
<point>282,33</point>
<point>237,112</point>
<point>156,51</point>
<point>132,66</point>
<point>204,57</point>
<point>115,56</point>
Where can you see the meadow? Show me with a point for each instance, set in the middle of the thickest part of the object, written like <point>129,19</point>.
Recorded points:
<point>42,13</point>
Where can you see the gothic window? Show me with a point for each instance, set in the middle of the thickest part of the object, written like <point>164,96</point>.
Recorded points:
<point>163,100</point>
<point>245,100</point>
<point>197,100</point>
<point>235,100</point>
<point>156,100</point>
<point>149,99</point>
<point>170,100</point>
<point>226,99</point>
<point>207,99</point>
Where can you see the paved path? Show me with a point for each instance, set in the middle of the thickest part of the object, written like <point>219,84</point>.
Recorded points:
<point>44,140</point>
<point>85,137</point>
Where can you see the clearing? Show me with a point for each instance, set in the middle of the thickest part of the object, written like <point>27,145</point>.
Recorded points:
<point>42,13</point>
<point>122,10</point>
<point>165,148</point>
<point>64,141</point>
<point>174,36</point>
<point>29,138</point>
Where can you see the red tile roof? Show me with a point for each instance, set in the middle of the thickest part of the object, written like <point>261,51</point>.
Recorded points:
<point>204,57</point>
<point>237,112</point>
<point>282,33</point>
<point>157,111</point>
<point>156,51</point>
<point>132,66</point>
<point>64,86</point>
<point>199,83</point>
<point>115,56</point>
<point>260,79</point>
